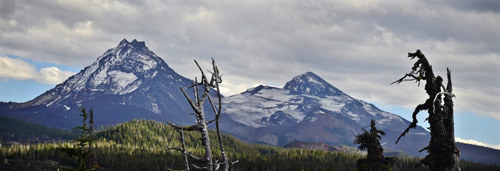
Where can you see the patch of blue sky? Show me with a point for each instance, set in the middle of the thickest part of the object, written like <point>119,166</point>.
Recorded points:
<point>468,125</point>
<point>24,90</point>
<point>39,64</point>
<point>21,90</point>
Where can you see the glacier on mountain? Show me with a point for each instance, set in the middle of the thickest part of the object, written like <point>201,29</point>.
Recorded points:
<point>120,81</point>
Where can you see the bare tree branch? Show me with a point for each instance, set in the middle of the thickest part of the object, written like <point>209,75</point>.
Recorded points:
<point>195,127</point>
<point>191,103</point>
<point>413,124</point>
<point>443,153</point>
<point>198,167</point>
<point>201,126</point>
<point>405,79</point>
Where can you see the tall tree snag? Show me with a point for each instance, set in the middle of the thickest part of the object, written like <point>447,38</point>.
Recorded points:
<point>443,152</point>
<point>201,124</point>
<point>215,81</point>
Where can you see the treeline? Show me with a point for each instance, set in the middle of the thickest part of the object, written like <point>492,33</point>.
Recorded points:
<point>18,131</point>
<point>140,145</point>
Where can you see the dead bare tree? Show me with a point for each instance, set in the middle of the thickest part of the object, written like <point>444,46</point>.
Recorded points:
<point>201,125</point>
<point>182,148</point>
<point>443,152</point>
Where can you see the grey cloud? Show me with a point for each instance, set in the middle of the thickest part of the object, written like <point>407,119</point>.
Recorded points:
<point>479,6</point>
<point>7,7</point>
<point>358,46</point>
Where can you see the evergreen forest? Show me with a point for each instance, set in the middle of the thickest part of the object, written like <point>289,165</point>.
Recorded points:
<point>141,145</point>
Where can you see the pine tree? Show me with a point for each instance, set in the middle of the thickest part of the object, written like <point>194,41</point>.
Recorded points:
<point>83,149</point>
<point>370,140</point>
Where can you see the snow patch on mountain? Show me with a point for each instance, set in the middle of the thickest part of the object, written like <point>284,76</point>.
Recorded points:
<point>121,80</point>
<point>274,94</point>
<point>331,103</point>
<point>250,109</point>
<point>147,62</point>
<point>314,81</point>
<point>156,109</point>
<point>154,74</point>
<point>100,76</point>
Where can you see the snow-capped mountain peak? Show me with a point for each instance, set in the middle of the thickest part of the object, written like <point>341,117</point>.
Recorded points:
<point>125,82</point>
<point>308,109</point>
<point>122,70</point>
<point>118,71</point>
<point>311,84</point>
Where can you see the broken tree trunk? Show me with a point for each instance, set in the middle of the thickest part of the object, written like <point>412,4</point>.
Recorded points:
<point>448,122</point>
<point>181,149</point>
<point>443,152</point>
<point>216,79</point>
<point>201,125</point>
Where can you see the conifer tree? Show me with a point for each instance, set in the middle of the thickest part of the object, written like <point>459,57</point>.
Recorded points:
<point>83,148</point>
<point>443,152</point>
<point>370,140</point>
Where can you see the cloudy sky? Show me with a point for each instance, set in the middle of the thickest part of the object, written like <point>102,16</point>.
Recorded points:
<point>358,46</point>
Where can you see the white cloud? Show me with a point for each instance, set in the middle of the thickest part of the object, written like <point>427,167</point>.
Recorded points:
<point>474,142</point>
<point>52,75</point>
<point>19,69</point>
<point>16,69</point>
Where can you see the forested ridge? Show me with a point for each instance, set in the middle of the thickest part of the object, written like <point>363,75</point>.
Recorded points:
<point>141,145</point>
<point>14,130</point>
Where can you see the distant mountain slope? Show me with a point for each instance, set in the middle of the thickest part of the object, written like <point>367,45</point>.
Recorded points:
<point>479,154</point>
<point>310,109</point>
<point>312,146</point>
<point>17,131</point>
<point>128,81</point>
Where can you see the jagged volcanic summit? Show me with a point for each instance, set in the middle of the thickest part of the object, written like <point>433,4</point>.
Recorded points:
<point>309,109</point>
<point>126,82</point>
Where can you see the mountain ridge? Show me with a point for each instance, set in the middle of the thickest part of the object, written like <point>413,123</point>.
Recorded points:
<point>311,84</point>
<point>126,82</point>
<point>129,81</point>
<point>310,109</point>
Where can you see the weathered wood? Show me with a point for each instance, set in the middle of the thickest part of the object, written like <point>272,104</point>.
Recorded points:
<point>182,149</point>
<point>196,104</point>
<point>443,152</point>
<point>214,82</point>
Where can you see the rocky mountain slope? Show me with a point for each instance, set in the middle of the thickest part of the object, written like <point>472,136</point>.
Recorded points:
<point>310,109</point>
<point>126,82</point>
